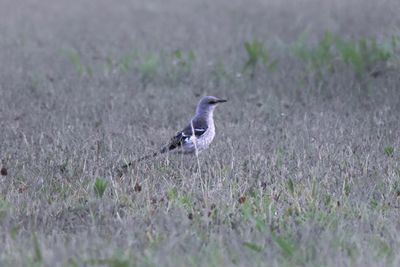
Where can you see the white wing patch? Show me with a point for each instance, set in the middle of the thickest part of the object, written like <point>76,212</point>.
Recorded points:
<point>197,131</point>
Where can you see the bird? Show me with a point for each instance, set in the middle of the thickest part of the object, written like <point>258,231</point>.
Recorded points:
<point>196,136</point>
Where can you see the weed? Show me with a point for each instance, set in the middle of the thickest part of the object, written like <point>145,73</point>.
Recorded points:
<point>5,207</point>
<point>286,246</point>
<point>100,187</point>
<point>252,246</point>
<point>290,186</point>
<point>75,59</point>
<point>219,73</point>
<point>172,194</point>
<point>389,151</point>
<point>180,199</point>
<point>319,58</point>
<point>126,64</point>
<point>37,257</point>
<point>363,55</point>
<point>184,60</point>
<point>182,63</point>
<point>257,52</point>
<point>148,68</point>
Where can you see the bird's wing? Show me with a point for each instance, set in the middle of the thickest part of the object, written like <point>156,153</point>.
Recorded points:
<point>199,127</point>
<point>183,136</point>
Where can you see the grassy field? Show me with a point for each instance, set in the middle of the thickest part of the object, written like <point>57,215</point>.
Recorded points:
<point>304,170</point>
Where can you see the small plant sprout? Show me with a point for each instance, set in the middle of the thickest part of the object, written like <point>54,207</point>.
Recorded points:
<point>252,246</point>
<point>184,60</point>
<point>100,186</point>
<point>75,59</point>
<point>219,73</point>
<point>148,68</point>
<point>364,55</point>
<point>172,194</point>
<point>257,52</point>
<point>180,65</point>
<point>389,151</point>
<point>286,246</point>
<point>318,58</point>
<point>126,62</point>
<point>290,186</point>
<point>5,207</point>
<point>38,256</point>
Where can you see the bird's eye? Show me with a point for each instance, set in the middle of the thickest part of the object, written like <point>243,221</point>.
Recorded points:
<point>212,102</point>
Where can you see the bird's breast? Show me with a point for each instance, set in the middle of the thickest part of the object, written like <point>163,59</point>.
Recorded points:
<point>205,139</point>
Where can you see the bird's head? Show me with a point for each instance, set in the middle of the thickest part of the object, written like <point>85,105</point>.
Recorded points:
<point>208,103</point>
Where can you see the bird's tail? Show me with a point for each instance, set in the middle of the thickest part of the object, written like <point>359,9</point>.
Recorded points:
<point>125,167</point>
<point>149,156</point>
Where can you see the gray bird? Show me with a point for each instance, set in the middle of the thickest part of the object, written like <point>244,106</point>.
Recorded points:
<point>196,136</point>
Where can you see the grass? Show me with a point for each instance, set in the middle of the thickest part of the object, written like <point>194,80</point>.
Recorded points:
<point>304,168</point>
<point>257,52</point>
<point>365,55</point>
<point>100,187</point>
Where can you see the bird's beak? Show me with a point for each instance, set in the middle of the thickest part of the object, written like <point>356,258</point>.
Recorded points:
<point>221,100</point>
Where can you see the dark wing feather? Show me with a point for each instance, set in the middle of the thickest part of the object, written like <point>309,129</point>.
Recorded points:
<point>183,136</point>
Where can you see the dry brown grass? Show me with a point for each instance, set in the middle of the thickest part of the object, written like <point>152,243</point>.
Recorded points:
<point>301,172</point>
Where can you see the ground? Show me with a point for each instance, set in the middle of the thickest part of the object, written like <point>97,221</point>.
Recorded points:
<point>304,169</point>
